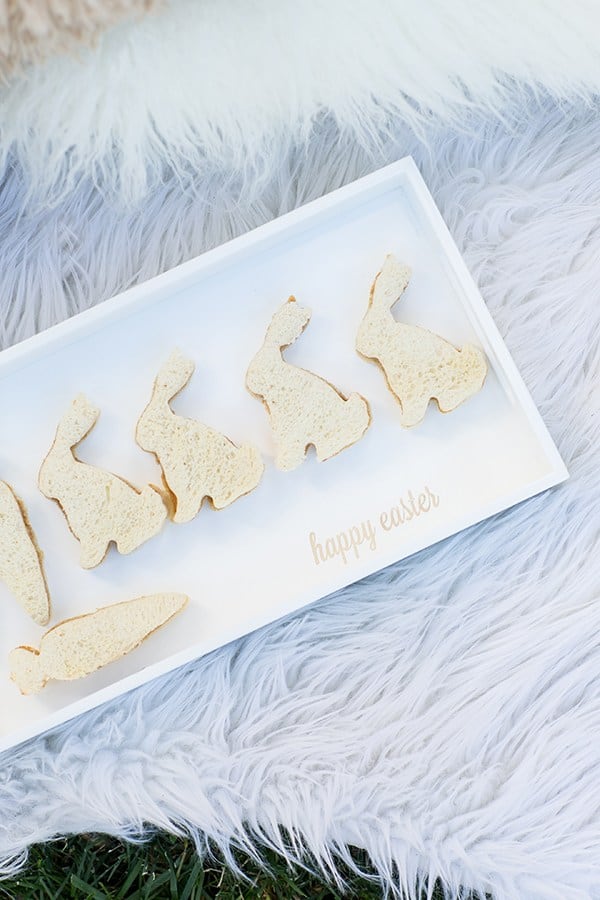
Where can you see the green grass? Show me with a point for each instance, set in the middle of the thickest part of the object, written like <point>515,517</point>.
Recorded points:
<point>97,867</point>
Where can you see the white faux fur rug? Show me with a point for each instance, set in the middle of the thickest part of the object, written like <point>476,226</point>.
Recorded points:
<point>216,84</point>
<point>443,714</point>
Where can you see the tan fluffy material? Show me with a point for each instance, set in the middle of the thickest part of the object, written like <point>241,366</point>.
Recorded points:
<point>100,507</point>
<point>418,364</point>
<point>33,30</point>
<point>197,461</point>
<point>21,566</point>
<point>304,409</point>
<point>76,647</point>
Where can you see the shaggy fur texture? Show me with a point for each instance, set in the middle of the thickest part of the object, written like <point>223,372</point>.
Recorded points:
<point>443,713</point>
<point>218,83</point>
<point>34,30</point>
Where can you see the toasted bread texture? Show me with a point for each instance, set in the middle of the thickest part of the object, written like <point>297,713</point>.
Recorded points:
<point>100,507</point>
<point>418,365</point>
<point>304,409</point>
<point>81,645</point>
<point>21,560</point>
<point>197,462</point>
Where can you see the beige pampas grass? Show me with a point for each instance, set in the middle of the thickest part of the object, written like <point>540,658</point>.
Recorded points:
<point>33,30</point>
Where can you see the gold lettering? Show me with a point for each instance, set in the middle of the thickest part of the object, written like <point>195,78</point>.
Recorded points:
<point>409,507</point>
<point>330,550</point>
<point>343,545</point>
<point>316,548</point>
<point>370,534</point>
<point>433,497</point>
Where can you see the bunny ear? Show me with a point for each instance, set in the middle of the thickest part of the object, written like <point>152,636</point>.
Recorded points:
<point>304,313</point>
<point>77,422</point>
<point>173,376</point>
<point>287,324</point>
<point>390,283</point>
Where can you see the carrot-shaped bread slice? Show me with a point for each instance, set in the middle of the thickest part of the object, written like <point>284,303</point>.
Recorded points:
<point>79,646</point>
<point>20,557</point>
<point>100,507</point>
<point>197,461</point>
<point>418,365</point>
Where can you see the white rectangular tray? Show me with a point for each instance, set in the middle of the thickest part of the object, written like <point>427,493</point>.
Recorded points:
<point>255,561</point>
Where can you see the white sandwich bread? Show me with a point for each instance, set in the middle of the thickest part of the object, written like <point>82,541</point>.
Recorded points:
<point>197,462</point>
<point>418,365</point>
<point>99,507</point>
<point>81,645</point>
<point>303,408</point>
<point>21,560</point>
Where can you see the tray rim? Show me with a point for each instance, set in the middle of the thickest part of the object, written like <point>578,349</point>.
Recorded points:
<point>127,301</point>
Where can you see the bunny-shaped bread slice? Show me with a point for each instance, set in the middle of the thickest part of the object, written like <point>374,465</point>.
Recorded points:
<point>304,409</point>
<point>197,461</point>
<point>100,507</point>
<point>418,365</point>
<point>21,567</point>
